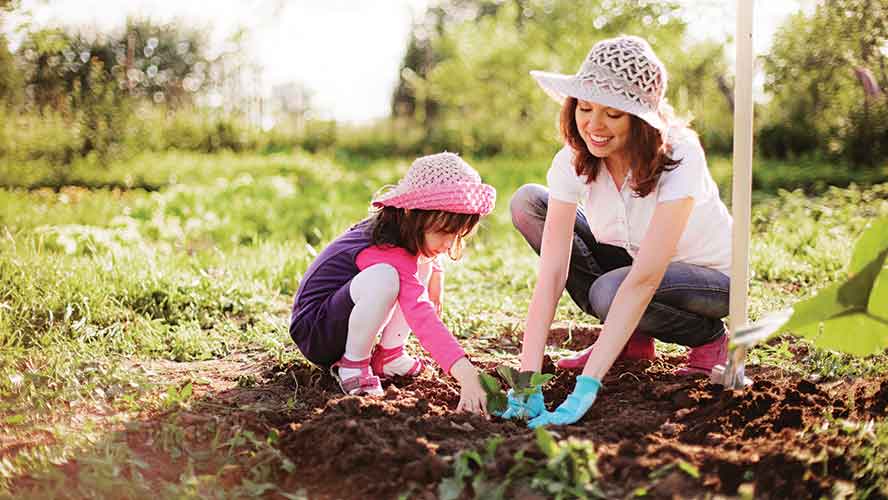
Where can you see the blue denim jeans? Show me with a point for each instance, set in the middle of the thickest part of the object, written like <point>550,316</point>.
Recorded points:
<point>686,309</point>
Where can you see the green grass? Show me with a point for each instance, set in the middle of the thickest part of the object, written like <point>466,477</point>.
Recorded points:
<point>187,257</point>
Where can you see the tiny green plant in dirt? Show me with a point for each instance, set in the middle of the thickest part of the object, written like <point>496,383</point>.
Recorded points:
<point>522,383</point>
<point>559,469</point>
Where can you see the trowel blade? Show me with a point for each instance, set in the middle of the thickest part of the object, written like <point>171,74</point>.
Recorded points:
<point>751,335</point>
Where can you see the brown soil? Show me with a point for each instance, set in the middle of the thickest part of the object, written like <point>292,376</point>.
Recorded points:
<point>784,437</point>
<point>776,437</point>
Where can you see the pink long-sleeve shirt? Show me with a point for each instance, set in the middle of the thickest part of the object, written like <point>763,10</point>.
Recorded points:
<point>413,298</point>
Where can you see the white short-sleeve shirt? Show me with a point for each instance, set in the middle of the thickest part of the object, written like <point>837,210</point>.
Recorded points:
<point>618,217</point>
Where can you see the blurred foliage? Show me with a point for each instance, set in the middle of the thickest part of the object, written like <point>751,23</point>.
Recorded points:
<point>48,150</point>
<point>817,72</point>
<point>160,62</point>
<point>9,76</point>
<point>100,96</point>
<point>464,77</point>
<point>68,94</point>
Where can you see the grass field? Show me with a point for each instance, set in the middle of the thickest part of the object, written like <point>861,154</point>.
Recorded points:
<point>130,296</point>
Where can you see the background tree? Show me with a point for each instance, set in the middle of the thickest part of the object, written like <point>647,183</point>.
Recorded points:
<point>160,62</point>
<point>820,102</point>
<point>465,78</point>
<point>9,74</point>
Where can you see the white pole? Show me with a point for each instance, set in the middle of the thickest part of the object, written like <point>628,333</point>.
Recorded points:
<point>742,181</point>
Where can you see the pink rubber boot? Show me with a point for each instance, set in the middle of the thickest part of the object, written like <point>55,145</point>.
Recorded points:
<point>702,358</point>
<point>639,347</point>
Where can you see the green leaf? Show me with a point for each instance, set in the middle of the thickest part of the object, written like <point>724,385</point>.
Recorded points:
<point>523,380</point>
<point>546,442</point>
<point>836,299</point>
<point>508,373</point>
<point>871,244</point>
<point>489,384</point>
<point>462,468</point>
<point>854,333</point>
<point>185,392</point>
<point>491,446</point>
<point>474,456</point>
<point>497,403</point>
<point>15,419</point>
<point>853,314</point>
<point>878,299</point>
<point>662,471</point>
<point>540,379</point>
<point>689,469</point>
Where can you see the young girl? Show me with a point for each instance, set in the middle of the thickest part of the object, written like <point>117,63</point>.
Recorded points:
<point>381,278</point>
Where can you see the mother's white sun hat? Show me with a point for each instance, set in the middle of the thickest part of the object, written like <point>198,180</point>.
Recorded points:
<point>622,73</point>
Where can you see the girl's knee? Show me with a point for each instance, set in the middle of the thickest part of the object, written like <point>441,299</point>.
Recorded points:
<point>379,282</point>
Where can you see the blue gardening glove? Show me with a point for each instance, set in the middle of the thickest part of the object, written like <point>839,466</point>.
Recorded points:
<point>574,407</point>
<point>521,407</point>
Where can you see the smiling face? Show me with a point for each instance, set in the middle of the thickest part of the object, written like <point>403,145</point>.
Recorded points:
<point>605,130</point>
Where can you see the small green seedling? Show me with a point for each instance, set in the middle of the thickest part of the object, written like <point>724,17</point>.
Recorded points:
<point>522,383</point>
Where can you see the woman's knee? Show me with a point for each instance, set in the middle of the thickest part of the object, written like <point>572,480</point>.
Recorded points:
<point>379,282</point>
<point>529,201</point>
<point>603,291</point>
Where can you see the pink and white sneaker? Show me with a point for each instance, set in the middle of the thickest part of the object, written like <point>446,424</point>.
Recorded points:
<point>394,362</point>
<point>702,358</point>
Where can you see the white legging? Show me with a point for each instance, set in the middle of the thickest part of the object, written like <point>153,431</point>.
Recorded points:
<point>375,294</point>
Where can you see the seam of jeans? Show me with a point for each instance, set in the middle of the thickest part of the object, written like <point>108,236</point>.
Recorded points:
<point>676,311</point>
<point>693,288</point>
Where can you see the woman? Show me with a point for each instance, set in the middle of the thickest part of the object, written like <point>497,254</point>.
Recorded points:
<point>649,251</point>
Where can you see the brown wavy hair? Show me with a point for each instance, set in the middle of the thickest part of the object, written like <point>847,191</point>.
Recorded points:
<point>406,228</point>
<point>647,153</point>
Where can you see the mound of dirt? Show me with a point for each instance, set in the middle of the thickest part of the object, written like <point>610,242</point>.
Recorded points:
<point>778,437</point>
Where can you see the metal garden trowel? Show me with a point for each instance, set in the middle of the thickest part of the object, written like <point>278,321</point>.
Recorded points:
<point>732,375</point>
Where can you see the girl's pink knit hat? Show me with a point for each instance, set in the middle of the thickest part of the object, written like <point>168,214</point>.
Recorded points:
<point>441,181</point>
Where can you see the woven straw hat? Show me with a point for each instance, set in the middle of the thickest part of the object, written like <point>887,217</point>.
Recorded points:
<point>441,181</point>
<point>622,73</point>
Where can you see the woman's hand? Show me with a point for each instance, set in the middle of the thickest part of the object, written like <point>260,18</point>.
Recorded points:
<point>436,291</point>
<point>472,397</point>
<point>574,407</point>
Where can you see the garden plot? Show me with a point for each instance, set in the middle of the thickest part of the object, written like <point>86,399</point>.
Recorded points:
<point>652,433</point>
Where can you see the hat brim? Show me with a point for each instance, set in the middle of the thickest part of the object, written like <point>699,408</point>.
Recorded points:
<point>559,86</point>
<point>460,198</point>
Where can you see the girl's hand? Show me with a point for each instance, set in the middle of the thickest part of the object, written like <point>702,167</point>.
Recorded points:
<point>472,397</point>
<point>436,291</point>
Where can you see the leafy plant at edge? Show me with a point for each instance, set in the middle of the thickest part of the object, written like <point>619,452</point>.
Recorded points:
<point>852,315</point>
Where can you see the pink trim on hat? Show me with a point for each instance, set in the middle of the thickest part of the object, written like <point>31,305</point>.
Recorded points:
<point>461,198</point>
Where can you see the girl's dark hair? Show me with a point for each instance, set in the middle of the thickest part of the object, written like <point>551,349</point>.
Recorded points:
<point>647,153</point>
<point>407,228</point>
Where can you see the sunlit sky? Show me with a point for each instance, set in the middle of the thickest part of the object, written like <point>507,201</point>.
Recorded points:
<point>346,52</point>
